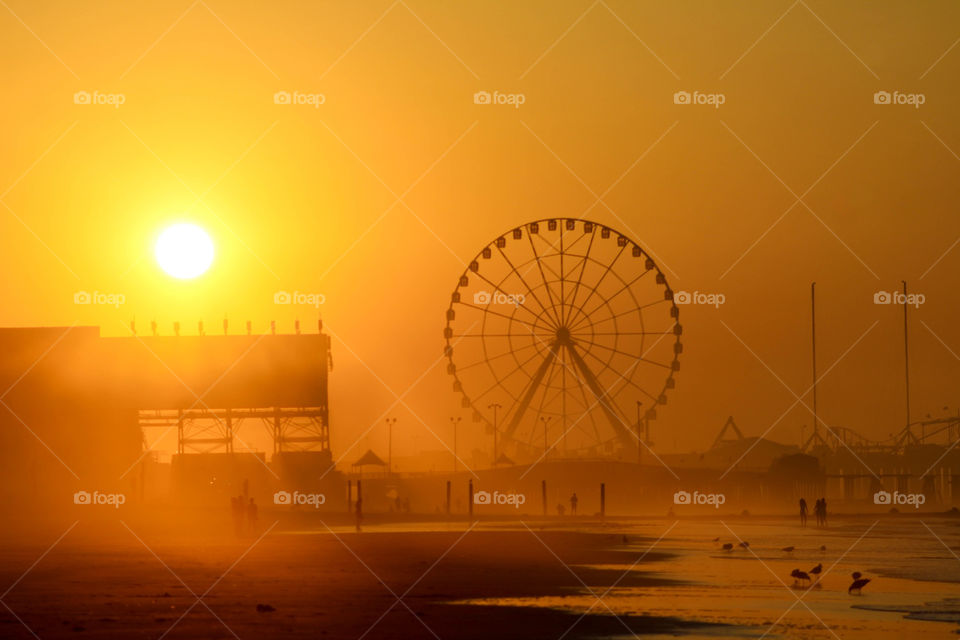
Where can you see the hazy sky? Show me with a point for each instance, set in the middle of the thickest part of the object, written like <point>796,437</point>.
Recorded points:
<point>378,197</point>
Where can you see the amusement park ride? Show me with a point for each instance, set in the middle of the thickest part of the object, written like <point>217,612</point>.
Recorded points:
<point>557,332</point>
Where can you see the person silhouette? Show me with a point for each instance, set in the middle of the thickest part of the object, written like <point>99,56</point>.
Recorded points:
<point>803,512</point>
<point>823,511</point>
<point>359,513</point>
<point>573,504</point>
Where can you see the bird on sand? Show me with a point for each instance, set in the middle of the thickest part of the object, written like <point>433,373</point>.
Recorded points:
<point>856,575</point>
<point>727,546</point>
<point>717,539</point>
<point>815,572</point>
<point>744,544</point>
<point>857,585</point>
<point>788,549</point>
<point>823,547</point>
<point>796,574</point>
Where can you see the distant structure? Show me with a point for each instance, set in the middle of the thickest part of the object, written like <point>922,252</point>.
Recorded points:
<point>569,328</point>
<point>76,404</point>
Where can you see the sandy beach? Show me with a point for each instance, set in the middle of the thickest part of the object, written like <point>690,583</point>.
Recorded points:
<point>134,578</point>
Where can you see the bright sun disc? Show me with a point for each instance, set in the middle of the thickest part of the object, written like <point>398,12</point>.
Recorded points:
<point>184,251</point>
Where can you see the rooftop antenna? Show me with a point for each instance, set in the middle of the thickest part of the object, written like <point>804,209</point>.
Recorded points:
<point>273,327</point>
<point>320,325</point>
<point>153,328</point>
<point>176,328</point>
<point>225,324</point>
<point>133,326</point>
<point>200,328</point>
<point>296,326</point>
<point>249,327</point>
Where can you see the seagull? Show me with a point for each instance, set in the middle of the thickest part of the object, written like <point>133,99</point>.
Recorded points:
<point>823,547</point>
<point>717,539</point>
<point>744,544</point>
<point>856,575</point>
<point>788,549</point>
<point>858,585</point>
<point>727,546</point>
<point>796,574</point>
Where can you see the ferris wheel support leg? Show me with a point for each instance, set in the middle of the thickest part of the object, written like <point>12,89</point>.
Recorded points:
<point>618,426</point>
<point>531,390</point>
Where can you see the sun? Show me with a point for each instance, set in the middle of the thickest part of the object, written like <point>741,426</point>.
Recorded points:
<point>184,251</point>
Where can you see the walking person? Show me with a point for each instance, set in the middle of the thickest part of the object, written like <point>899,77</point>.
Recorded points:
<point>573,504</point>
<point>803,512</point>
<point>823,510</point>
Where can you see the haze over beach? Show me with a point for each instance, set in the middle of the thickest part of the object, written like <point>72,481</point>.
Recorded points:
<point>409,319</point>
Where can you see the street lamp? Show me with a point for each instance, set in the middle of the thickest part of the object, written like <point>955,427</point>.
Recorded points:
<point>390,423</point>
<point>455,422</point>
<point>495,406</point>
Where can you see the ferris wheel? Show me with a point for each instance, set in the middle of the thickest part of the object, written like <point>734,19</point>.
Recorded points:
<point>563,336</point>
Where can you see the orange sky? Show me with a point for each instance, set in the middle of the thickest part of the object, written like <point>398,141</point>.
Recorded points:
<point>378,197</point>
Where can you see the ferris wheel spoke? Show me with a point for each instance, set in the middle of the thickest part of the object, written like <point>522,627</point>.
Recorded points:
<point>616,423</point>
<point>543,278</point>
<point>583,269</point>
<point>503,315</point>
<point>593,288</point>
<point>621,333</point>
<point>497,287</point>
<point>637,309</point>
<point>624,353</point>
<point>532,345</point>
<point>500,380</point>
<point>514,269</point>
<point>625,287</point>
<point>628,380</point>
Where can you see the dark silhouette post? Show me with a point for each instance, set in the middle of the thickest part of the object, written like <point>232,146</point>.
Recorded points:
<point>349,496</point>
<point>448,497</point>
<point>359,509</point>
<point>470,498</point>
<point>543,491</point>
<point>603,500</point>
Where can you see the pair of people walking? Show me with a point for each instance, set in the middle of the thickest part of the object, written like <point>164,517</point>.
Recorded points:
<point>819,511</point>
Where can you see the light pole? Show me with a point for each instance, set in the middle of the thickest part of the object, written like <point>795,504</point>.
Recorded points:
<point>455,422</point>
<point>390,423</point>
<point>545,420</point>
<point>495,407</point>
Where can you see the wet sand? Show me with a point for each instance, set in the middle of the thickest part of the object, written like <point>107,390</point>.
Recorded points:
<point>497,579</point>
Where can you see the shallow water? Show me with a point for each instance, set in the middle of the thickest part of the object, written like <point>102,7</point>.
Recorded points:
<point>914,590</point>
